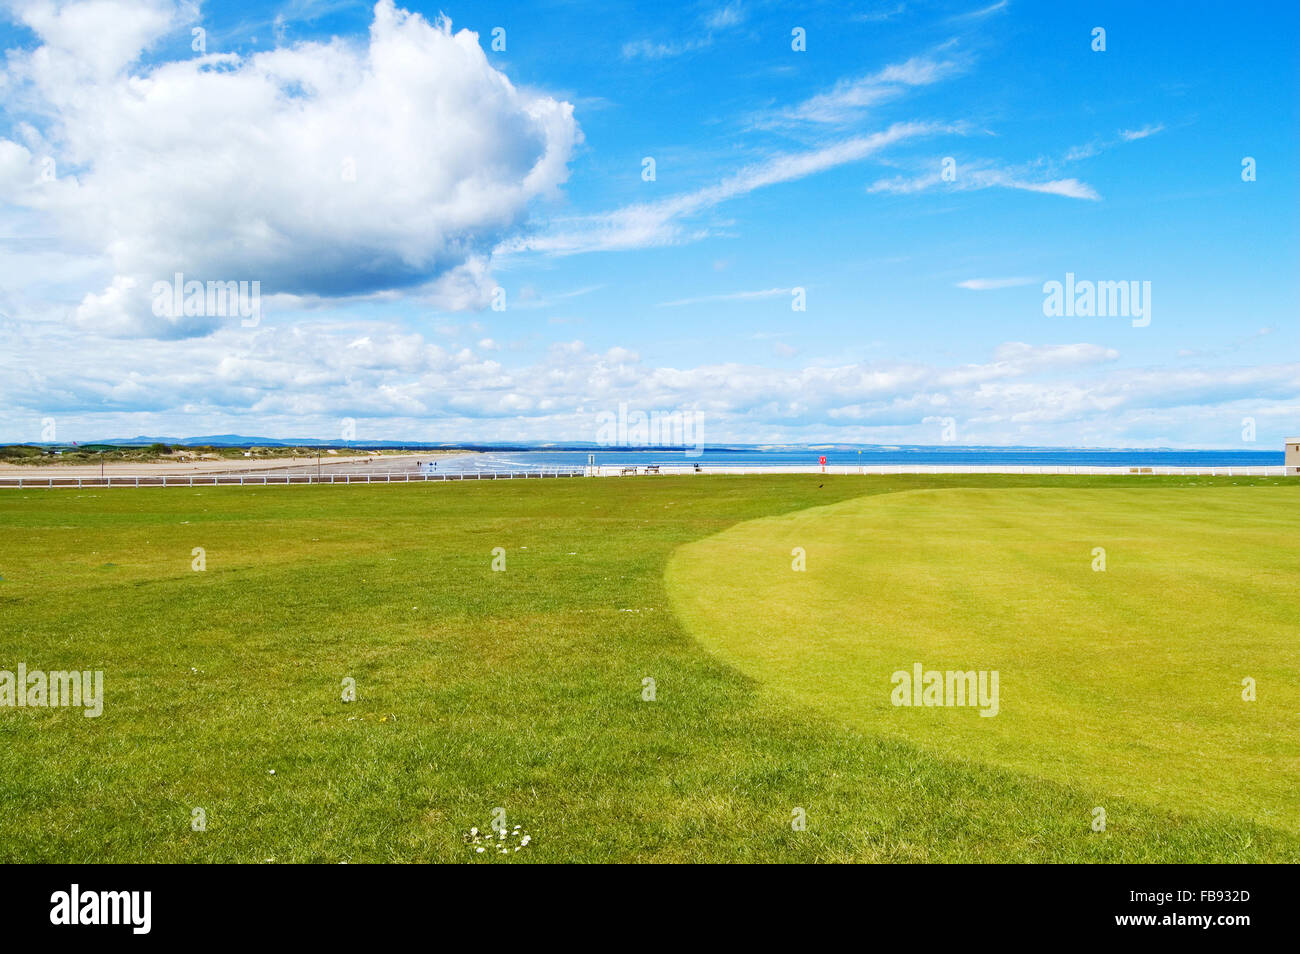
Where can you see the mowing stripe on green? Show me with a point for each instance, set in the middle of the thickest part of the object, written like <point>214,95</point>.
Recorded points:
<point>1127,680</point>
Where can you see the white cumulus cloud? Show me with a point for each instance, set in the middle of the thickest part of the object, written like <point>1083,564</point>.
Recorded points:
<point>319,169</point>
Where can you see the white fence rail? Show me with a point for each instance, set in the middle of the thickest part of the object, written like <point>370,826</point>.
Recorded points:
<point>1143,470</point>
<point>386,477</point>
<point>275,480</point>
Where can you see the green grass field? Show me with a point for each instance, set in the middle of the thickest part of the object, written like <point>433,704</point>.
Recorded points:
<point>523,689</point>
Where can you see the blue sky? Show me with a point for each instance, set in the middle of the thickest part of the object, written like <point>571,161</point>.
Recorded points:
<point>478,173</point>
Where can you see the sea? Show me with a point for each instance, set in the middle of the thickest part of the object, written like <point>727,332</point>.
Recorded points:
<point>808,455</point>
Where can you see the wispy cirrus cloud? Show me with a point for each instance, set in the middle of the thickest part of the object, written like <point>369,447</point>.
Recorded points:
<point>1069,188</point>
<point>716,21</point>
<point>982,12</point>
<point>668,221</point>
<point>529,298</point>
<point>985,178</point>
<point>849,99</point>
<point>663,49</point>
<point>992,284</point>
<point>733,14</point>
<point>1041,175</point>
<point>880,15</point>
<point>1097,146</point>
<point>1129,135</point>
<point>729,296</point>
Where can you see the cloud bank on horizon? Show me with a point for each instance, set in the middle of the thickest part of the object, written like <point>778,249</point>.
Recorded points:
<point>811,226</point>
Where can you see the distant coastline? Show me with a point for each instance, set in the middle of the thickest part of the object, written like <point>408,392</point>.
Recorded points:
<point>899,453</point>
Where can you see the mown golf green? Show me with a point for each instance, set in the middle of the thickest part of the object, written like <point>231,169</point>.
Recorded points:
<point>524,689</point>
<point>1123,625</point>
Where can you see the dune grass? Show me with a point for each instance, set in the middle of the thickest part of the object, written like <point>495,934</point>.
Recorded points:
<point>476,689</point>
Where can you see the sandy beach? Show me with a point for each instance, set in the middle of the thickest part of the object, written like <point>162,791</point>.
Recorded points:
<point>209,467</point>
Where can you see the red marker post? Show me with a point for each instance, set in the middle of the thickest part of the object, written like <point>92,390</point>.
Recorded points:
<point>822,460</point>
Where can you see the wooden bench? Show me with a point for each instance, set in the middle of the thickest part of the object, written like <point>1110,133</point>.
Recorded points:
<point>652,469</point>
<point>627,470</point>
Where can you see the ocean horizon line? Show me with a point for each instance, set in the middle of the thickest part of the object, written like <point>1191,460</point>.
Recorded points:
<point>234,440</point>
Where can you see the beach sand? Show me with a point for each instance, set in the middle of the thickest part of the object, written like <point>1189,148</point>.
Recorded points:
<point>235,466</point>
